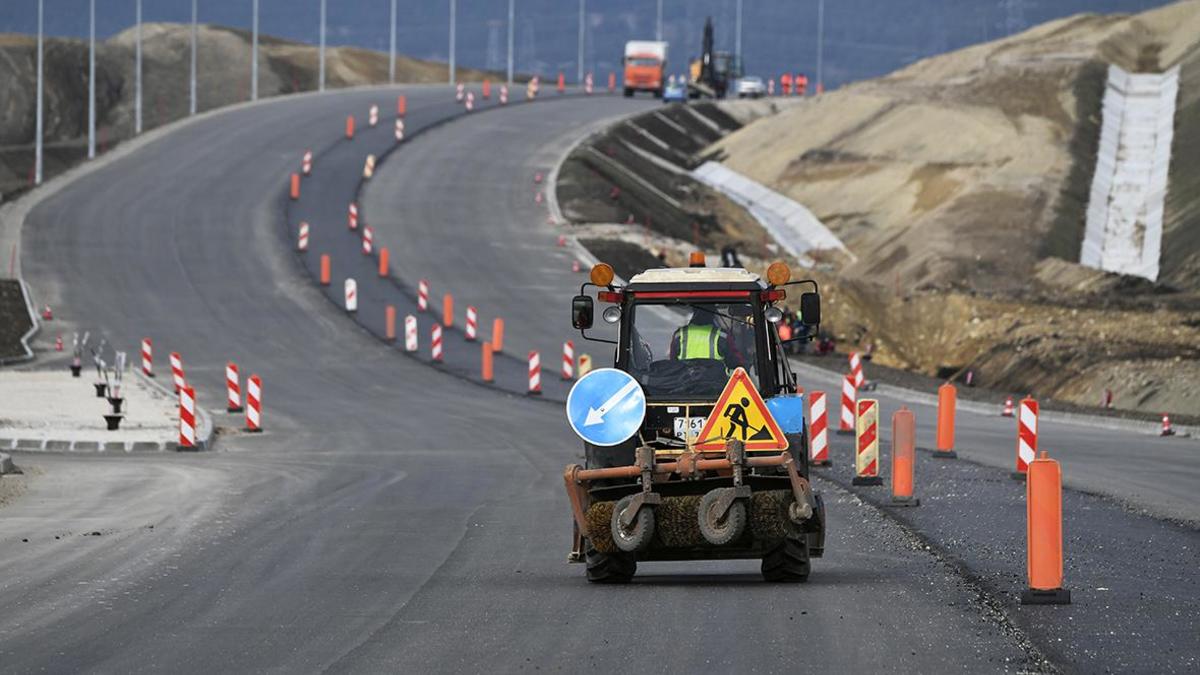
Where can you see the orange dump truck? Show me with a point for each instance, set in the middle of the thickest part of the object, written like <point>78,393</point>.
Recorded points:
<point>645,67</point>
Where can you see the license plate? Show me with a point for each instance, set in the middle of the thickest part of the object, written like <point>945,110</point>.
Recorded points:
<point>693,425</point>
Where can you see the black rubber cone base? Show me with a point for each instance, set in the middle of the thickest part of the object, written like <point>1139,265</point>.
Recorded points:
<point>232,411</point>
<point>75,370</point>
<point>945,454</point>
<point>905,501</point>
<point>845,432</point>
<point>1058,596</point>
<point>867,480</point>
<point>1017,475</point>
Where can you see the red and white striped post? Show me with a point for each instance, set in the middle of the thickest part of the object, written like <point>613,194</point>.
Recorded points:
<point>351,289</point>
<point>866,458</point>
<point>368,240</point>
<point>435,347</point>
<point>147,357</point>
<point>254,403</point>
<point>856,370</point>
<point>568,360</point>
<point>818,430</point>
<point>177,371</point>
<point>587,84</point>
<point>233,392</point>
<point>459,92</point>
<point>504,94</point>
<point>1027,430</point>
<point>187,418</point>
<point>302,238</point>
<point>373,115</point>
<point>306,163</point>
<point>1167,429</point>
<point>1008,407</point>
<point>423,295</point>
<point>472,323</point>
<point>352,216</point>
<point>399,130</point>
<point>849,394</point>
<point>535,373</point>
<point>410,333</point>
<point>470,104</point>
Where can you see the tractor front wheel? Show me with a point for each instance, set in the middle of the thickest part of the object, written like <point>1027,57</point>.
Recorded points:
<point>638,535</point>
<point>787,562</point>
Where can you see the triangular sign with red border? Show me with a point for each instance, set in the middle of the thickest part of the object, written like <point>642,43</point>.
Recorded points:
<point>741,413</point>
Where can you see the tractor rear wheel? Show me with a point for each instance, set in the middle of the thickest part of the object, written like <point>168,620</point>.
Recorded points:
<point>787,562</point>
<point>608,568</point>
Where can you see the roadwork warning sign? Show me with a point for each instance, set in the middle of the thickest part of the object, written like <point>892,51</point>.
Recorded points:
<point>741,413</point>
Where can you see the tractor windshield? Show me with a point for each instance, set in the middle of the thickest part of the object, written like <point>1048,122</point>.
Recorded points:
<point>688,350</point>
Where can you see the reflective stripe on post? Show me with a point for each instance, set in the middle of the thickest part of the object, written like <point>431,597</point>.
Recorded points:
<point>368,240</point>
<point>568,360</point>
<point>866,443</point>
<point>306,163</point>
<point>147,357</point>
<point>849,394</point>
<point>585,365</point>
<point>410,333</point>
<point>535,373</point>
<point>856,370</point>
<point>187,418</point>
<point>302,238</point>
<point>472,329</point>
<point>399,130</point>
<point>373,115</point>
<point>177,372</point>
<point>1027,430</point>
<point>436,343</point>
<point>352,216</point>
<point>351,288</point>
<point>423,295</point>
<point>904,445</point>
<point>819,429</point>
<point>233,392</point>
<point>1043,534</point>
<point>947,402</point>
<point>254,403</point>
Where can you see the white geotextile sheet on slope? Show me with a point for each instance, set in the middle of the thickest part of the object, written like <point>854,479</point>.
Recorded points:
<point>792,225</point>
<point>1125,208</point>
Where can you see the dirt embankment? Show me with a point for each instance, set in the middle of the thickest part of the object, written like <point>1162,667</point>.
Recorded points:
<point>223,77</point>
<point>14,319</point>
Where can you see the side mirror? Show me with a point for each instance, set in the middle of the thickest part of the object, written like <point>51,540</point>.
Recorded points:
<point>810,308</point>
<point>582,312</point>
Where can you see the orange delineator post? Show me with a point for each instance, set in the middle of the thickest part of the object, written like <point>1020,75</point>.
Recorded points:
<point>947,402</point>
<point>487,89</point>
<point>349,126</point>
<point>401,105</point>
<point>487,362</point>
<point>448,310</point>
<point>904,444</point>
<point>383,261</point>
<point>498,334</point>
<point>295,191</point>
<point>325,269</point>
<point>1043,508</point>
<point>562,83</point>
<point>612,82</point>
<point>390,314</point>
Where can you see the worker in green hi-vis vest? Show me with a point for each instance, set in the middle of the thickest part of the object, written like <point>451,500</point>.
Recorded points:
<point>701,338</point>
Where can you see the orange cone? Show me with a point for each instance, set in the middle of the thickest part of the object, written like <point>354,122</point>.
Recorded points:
<point>1043,504</point>
<point>487,362</point>
<point>904,443</point>
<point>947,402</point>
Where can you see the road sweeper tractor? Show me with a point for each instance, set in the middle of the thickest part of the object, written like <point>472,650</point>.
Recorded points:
<point>695,441</point>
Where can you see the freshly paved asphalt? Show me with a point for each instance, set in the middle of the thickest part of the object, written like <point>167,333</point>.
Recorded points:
<point>393,517</point>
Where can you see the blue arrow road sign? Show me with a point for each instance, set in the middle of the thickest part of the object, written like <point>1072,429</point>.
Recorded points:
<point>606,406</point>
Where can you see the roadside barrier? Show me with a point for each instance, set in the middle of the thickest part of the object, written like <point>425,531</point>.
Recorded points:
<point>233,392</point>
<point>459,92</point>
<point>435,345</point>
<point>568,360</point>
<point>423,295</point>
<point>1167,430</point>
<point>384,257</point>
<point>1008,407</point>
<point>472,323</point>
<point>177,372</point>
<point>325,271</point>
<point>504,94</point>
<point>302,238</point>
<point>1027,430</point>
<point>349,126</point>
<point>389,323</point>
<point>561,86</point>
<point>352,216</point>
<point>470,103</point>
<point>294,190</point>
<point>369,167</point>
<point>947,404</point>
<point>585,364</point>
<point>254,404</point>
<point>373,115</point>
<point>904,446</point>
<point>1043,534</point>
<point>368,240</point>
<point>818,430</point>
<point>535,373</point>
<point>487,89</point>
<point>306,163</point>
<point>849,394</point>
<point>187,419</point>
<point>856,370</point>
<point>587,84</point>
<point>399,130</point>
<point>351,288</point>
<point>401,105</point>
<point>410,334</point>
<point>866,456</point>
<point>147,357</point>
<point>498,334</point>
<point>447,310</point>
<point>486,368</point>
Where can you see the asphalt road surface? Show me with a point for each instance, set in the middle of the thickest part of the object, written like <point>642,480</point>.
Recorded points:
<point>394,516</point>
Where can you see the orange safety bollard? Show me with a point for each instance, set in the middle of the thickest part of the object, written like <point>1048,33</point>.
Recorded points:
<point>390,316</point>
<point>1043,512</point>
<point>904,444</point>
<point>448,310</point>
<point>295,192</point>
<point>612,82</point>
<point>349,126</point>
<point>401,105</point>
<point>383,261</point>
<point>324,269</point>
<point>498,334</point>
<point>487,362</point>
<point>487,89</point>
<point>562,83</point>
<point>947,401</point>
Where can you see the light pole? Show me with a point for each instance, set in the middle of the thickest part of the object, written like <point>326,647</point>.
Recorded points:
<point>321,67</point>
<point>192,79</point>
<point>137,88</point>
<point>582,32</point>
<point>392,47</point>
<point>37,155</point>
<point>658,32</point>
<point>453,12</point>
<point>254,53</point>
<point>512,12</point>
<point>92,79</point>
